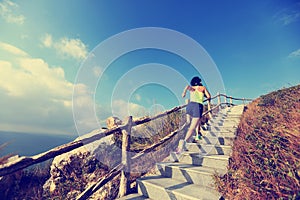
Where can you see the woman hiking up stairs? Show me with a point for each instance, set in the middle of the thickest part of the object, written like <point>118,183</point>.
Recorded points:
<point>189,176</point>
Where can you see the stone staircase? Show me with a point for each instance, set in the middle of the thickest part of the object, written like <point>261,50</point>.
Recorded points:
<point>189,176</point>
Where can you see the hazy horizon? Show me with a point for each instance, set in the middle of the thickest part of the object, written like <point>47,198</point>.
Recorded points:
<point>29,144</point>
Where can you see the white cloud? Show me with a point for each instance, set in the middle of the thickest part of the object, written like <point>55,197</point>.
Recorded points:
<point>8,10</point>
<point>138,97</point>
<point>289,15</point>
<point>97,71</point>
<point>47,40</point>
<point>66,47</point>
<point>123,109</point>
<point>72,47</point>
<point>83,109</point>
<point>35,96</point>
<point>11,49</point>
<point>294,54</point>
<point>287,19</point>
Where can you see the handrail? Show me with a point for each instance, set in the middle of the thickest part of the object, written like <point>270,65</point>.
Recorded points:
<point>94,187</point>
<point>102,181</point>
<point>25,161</point>
<point>233,98</point>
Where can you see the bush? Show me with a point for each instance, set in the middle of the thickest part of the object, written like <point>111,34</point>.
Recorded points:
<point>25,184</point>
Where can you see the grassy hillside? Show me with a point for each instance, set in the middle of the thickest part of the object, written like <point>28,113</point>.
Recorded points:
<point>265,160</point>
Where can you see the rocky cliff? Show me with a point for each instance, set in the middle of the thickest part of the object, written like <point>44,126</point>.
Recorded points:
<point>72,172</point>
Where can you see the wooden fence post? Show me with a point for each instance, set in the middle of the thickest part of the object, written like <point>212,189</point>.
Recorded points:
<point>219,98</point>
<point>225,98</point>
<point>208,108</point>
<point>230,101</point>
<point>125,173</point>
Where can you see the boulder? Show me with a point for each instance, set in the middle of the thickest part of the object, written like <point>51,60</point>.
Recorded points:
<point>71,173</point>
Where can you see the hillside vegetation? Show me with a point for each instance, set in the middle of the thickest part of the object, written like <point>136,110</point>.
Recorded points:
<point>265,159</point>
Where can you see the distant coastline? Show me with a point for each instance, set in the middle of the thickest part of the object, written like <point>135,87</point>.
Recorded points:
<point>28,144</point>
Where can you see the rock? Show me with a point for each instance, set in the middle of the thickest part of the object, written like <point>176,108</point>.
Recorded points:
<point>71,173</point>
<point>113,122</point>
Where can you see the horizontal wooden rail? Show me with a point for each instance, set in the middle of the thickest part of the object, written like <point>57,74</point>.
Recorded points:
<point>160,142</point>
<point>101,182</point>
<point>214,108</point>
<point>26,161</point>
<point>233,98</point>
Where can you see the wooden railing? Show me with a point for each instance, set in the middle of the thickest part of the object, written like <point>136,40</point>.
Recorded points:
<point>123,168</point>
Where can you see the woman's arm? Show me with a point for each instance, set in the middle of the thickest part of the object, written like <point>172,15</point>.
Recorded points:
<point>187,88</point>
<point>207,94</point>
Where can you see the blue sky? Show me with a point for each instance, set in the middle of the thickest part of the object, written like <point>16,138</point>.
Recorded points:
<point>44,46</point>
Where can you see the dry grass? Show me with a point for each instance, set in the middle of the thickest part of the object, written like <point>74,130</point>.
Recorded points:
<point>25,184</point>
<point>265,160</point>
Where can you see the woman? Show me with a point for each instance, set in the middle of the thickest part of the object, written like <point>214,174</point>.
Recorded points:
<point>194,108</point>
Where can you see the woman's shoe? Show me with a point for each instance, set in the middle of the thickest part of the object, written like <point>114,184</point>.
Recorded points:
<point>181,147</point>
<point>198,137</point>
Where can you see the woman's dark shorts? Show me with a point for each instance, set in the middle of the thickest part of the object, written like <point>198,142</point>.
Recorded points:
<point>194,109</point>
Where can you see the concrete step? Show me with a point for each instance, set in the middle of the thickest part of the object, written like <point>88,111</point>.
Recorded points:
<point>216,140</point>
<point>135,196</point>
<point>209,149</point>
<point>238,109</point>
<point>232,120</point>
<point>221,128</point>
<point>223,133</point>
<point>198,175</point>
<point>162,188</point>
<point>214,161</point>
<point>234,114</point>
<point>190,175</point>
<point>217,118</point>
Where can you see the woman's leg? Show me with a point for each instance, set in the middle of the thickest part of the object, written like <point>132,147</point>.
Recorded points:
<point>198,130</point>
<point>188,119</point>
<point>182,143</point>
<point>194,123</point>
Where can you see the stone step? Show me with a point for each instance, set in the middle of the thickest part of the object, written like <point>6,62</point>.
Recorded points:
<point>190,175</point>
<point>218,118</point>
<point>237,108</point>
<point>162,188</point>
<point>135,196</point>
<point>209,149</point>
<point>234,114</point>
<point>216,140</point>
<point>220,125</point>
<point>225,120</point>
<point>198,175</point>
<point>214,161</point>
<point>221,128</point>
<point>225,123</point>
<point>222,133</point>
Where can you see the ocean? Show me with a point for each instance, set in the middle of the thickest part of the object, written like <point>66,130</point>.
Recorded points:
<point>29,144</point>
